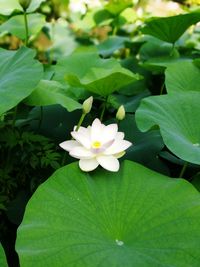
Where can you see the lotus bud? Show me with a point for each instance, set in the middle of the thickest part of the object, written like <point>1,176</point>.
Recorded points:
<point>87,105</point>
<point>120,115</point>
<point>25,3</point>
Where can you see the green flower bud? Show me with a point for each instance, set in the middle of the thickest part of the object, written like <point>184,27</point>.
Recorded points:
<point>120,115</point>
<point>25,3</point>
<point>87,105</point>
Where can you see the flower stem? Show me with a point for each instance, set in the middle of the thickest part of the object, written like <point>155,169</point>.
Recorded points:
<point>114,31</point>
<point>51,54</point>
<point>183,169</point>
<point>26,28</point>
<point>162,88</point>
<point>80,121</point>
<point>172,51</point>
<point>103,110</point>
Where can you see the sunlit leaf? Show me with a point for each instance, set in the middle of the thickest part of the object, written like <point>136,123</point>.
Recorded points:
<point>7,7</point>
<point>117,6</point>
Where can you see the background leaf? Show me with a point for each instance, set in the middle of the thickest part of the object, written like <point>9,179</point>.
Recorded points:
<point>111,219</point>
<point>170,29</point>
<point>177,115</point>
<point>34,5</point>
<point>111,44</point>
<point>88,70</point>
<point>51,93</point>
<point>7,7</point>
<point>15,25</point>
<point>19,75</point>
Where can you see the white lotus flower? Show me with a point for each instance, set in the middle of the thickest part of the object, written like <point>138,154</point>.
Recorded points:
<point>97,145</point>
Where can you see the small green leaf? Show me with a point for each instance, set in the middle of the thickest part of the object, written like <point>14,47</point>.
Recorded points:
<point>88,70</point>
<point>182,76</point>
<point>50,93</point>
<point>177,115</point>
<point>111,219</point>
<point>170,29</point>
<point>19,75</point>
<point>15,25</point>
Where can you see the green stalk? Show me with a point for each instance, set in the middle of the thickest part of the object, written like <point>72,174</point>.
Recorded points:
<point>183,169</point>
<point>162,88</point>
<point>172,51</point>
<point>80,121</point>
<point>26,28</point>
<point>103,110</point>
<point>114,31</point>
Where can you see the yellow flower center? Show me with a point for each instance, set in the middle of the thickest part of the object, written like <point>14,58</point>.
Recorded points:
<point>96,144</point>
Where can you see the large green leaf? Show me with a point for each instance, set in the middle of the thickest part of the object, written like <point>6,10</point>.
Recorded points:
<point>135,217</point>
<point>182,76</point>
<point>88,70</point>
<point>178,118</point>
<point>8,6</point>
<point>19,75</point>
<point>50,93</point>
<point>170,29</point>
<point>3,262</point>
<point>16,26</point>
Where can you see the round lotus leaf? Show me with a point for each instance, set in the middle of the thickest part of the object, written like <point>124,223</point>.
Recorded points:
<point>135,217</point>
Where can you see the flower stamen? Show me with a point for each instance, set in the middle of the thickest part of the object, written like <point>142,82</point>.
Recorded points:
<point>96,144</point>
